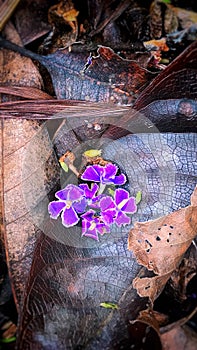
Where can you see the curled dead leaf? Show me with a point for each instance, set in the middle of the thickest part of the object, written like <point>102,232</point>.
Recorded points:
<point>150,286</point>
<point>144,331</point>
<point>159,245</point>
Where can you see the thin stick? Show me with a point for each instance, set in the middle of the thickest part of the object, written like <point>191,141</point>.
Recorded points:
<point>6,10</point>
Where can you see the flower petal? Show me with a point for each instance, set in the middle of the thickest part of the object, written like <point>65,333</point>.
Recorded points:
<point>75,193</point>
<point>119,180</point>
<point>106,203</point>
<point>62,194</point>
<point>70,192</point>
<point>102,228</point>
<point>95,203</point>
<point>130,206</point>
<point>91,234</point>
<point>85,226</point>
<point>108,216</point>
<point>88,215</point>
<point>88,231</point>
<point>110,171</point>
<point>120,195</point>
<point>69,217</point>
<point>92,173</point>
<point>122,219</point>
<point>55,208</point>
<point>80,206</point>
<point>89,192</point>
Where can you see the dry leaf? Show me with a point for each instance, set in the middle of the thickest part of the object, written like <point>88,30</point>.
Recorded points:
<point>159,245</point>
<point>19,230</point>
<point>182,338</point>
<point>15,69</point>
<point>186,18</point>
<point>144,331</point>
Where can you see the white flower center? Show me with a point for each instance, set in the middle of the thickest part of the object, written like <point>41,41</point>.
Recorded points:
<point>92,226</point>
<point>68,204</point>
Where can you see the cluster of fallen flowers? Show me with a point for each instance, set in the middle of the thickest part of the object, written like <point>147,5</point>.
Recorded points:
<point>92,205</point>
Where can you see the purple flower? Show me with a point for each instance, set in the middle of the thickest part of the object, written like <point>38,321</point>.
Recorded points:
<point>116,210</point>
<point>90,194</point>
<point>92,225</point>
<point>108,210</point>
<point>71,201</point>
<point>104,174</point>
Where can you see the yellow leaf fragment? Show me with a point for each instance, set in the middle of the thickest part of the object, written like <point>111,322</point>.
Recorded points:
<point>91,153</point>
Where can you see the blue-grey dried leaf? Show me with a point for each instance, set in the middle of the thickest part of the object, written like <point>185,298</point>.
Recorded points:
<point>71,276</point>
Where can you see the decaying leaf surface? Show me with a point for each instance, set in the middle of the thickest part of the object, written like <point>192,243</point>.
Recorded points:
<point>71,276</point>
<point>109,78</point>
<point>31,20</point>
<point>159,245</point>
<point>178,79</point>
<point>144,331</point>
<point>182,338</point>
<point>20,231</point>
<point>15,69</point>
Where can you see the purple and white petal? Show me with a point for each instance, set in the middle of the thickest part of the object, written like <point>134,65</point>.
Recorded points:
<point>55,208</point>
<point>62,194</point>
<point>122,219</point>
<point>69,217</point>
<point>119,180</point>
<point>108,216</point>
<point>85,226</point>
<point>130,206</point>
<point>91,173</point>
<point>102,228</point>
<point>120,195</point>
<point>80,206</point>
<point>110,171</point>
<point>95,202</point>
<point>91,234</point>
<point>75,193</point>
<point>106,203</point>
<point>89,192</point>
<point>88,215</point>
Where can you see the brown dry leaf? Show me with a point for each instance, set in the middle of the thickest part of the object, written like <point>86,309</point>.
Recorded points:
<point>186,18</point>
<point>182,338</point>
<point>15,69</point>
<point>150,286</point>
<point>159,245</point>
<point>30,19</point>
<point>18,229</point>
<point>155,45</point>
<point>163,19</point>
<point>144,331</point>
<point>186,271</point>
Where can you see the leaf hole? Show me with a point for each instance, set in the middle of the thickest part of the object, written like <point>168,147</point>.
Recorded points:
<point>158,238</point>
<point>147,287</point>
<point>165,225</point>
<point>148,250</point>
<point>171,226</point>
<point>159,228</point>
<point>168,240</point>
<point>170,233</point>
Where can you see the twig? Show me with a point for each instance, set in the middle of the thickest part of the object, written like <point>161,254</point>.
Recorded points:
<point>6,10</point>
